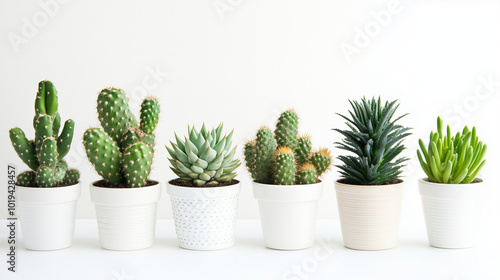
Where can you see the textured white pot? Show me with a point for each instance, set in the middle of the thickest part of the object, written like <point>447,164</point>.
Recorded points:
<point>449,213</point>
<point>47,216</point>
<point>369,215</point>
<point>126,217</point>
<point>288,214</point>
<point>205,218</point>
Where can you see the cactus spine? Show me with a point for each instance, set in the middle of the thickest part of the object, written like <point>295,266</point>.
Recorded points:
<point>122,151</point>
<point>44,155</point>
<point>286,158</point>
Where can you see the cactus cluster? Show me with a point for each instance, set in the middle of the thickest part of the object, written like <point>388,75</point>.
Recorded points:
<point>284,158</point>
<point>44,155</point>
<point>452,159</point>
<point>375,140</point>
<point>205,158</point>
<point>122,151</point>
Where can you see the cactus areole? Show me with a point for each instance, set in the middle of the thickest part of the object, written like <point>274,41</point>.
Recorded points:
<point>284,157</point>
<point>44,155</point>
<point>122,150</point>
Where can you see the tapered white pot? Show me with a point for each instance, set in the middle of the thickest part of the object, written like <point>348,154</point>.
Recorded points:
<point>47,216</point>
<point>369,215</point>
<point>288,214</point>
<point>126,217</point>
<point>205,218</point>
<point>449,213</point>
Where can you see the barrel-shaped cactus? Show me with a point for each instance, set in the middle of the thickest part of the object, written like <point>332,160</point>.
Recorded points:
<point>204,158</point>
<point>286,158</point>
<point>122,151</point>
<point>44,155</point>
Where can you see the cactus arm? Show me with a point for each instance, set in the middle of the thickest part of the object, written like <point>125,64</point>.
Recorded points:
<point>150,109</point>
<point>303,149</point>
<point>136,162</point>
<point>26,179</point>
<point>287,129</point>
<point>265,147</point>
<point>48,153</point>
<point>285,167</point>
<point>307,174</point>
<point>45,177</point>
<point>43,130</point>
<point>56,124</point>
<point>249,153</point>
<point>114,113</point>
<point>104,154</point>
<point>72,176</point>
<point>64,140</point>
<point>322,160</point>
<point>51,100</point>
<point>40,99</point>
<point>23,148</point>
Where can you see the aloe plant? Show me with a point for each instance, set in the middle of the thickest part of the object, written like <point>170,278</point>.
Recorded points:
<point>375,140</point>
<point>452,159</point>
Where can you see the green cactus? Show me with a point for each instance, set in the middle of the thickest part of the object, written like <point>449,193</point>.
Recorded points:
<point>307,174</point>
<point>285,159</point>
<point>204,158</point>
<point>44,155</point>
<point>285,166</point>
<point>122,151</point>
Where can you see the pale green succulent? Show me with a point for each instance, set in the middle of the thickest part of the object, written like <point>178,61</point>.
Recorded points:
<point>204,158</point>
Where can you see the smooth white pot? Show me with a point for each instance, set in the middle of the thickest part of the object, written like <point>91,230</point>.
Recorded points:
<point>369,215</point>
<point>126,217</point>
<point>288,214</point>
<point>47,216</point>
<point>205,218</point>
<point>449,213</point>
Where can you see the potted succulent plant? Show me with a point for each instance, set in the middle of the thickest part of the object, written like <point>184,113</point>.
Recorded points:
<point>48,193</point>
<point>451,164</point>
<point>286,182</point>
<point>122,154</point>
<point>205,194</point>
<point>370,192</point>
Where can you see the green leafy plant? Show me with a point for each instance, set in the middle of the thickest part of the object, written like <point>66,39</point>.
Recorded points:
<point>122,151</point>
<point>285,158</point>
<point>375,140</point>
<point>44,155</point>
<point>204,158</point>
<point>452,159</point>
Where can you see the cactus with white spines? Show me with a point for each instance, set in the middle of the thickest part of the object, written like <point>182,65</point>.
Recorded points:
<point>44,155</point>
<point>286,158</point>
<point>122,151</point>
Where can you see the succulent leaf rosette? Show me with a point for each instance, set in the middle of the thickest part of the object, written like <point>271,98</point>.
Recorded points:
<point>204,158</point>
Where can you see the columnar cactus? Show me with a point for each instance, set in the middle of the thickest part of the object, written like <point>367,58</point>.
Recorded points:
<point>44,155</point>
<point>204,158</point>
<point>122,151</point>
<point>286,158</point>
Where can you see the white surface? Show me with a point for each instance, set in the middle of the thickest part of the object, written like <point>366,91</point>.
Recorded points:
<point>263,57</point>
<point>249,259</point>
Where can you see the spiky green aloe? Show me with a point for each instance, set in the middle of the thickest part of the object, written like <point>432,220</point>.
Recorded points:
<point>44,155</point>
<point>375,140</point>
<point>205,158</point>
<point>286,158</point>
<point>122,151</point>
<point>452,159</point>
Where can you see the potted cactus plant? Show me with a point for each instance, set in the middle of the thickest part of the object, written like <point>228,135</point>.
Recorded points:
<point>451,164</point>
<point>370,192</point>
<point>286,182</point>
<point>48,193</point>
<point>122,154</point>
<point>205,194</point>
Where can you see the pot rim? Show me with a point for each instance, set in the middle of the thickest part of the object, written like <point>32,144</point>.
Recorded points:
<point>287,186</point>
<point>156,183</point>
<point>368,186</point>
<point>48,188</point>
<point>425,180</point>
<point>238,182</point>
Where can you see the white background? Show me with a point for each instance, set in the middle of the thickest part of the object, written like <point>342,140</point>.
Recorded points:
<point>246,64</point>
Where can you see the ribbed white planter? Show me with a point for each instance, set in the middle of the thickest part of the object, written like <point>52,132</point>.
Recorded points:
<point>126,217</point>
<point>369,215</point>
<point>288,214</point>
<point>47,216</point>
<point>205,218</point>
<point>449,213</point>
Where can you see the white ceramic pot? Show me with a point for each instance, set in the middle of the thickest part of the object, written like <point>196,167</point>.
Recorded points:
<point>449,213</point>
<point>205,218</point>
<point>47,216</point>
<point>288,214</point>
<point>126,217</point>
<point>369,215</point>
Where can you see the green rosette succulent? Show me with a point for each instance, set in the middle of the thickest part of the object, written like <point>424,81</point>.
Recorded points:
<point>204,158</point>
